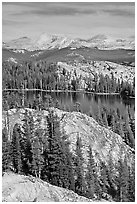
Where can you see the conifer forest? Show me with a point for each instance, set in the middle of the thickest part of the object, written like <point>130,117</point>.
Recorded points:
<point>68,101</point>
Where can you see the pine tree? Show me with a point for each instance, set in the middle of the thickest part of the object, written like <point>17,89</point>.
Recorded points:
<point>6,156</point>
<point>104,177</point>
<point>38,160</point>
<point>56,158</point>
<point>16,149</point>
<point>118,113</point>
<point>99,116</point>
<point>80,183</point>
<point>104,119</point>
<point>132,122</point>
<point>129,137</point>
<point>97,187</point>
<point>71,178</point>
<point>110,175</point>
<point>122,177</point>
<point>68,163</point>
<point>122,181</point>
<point>7,123</point>
<point>131,184</point>
<point>97,181</point>
<point>45,152</point>
<point>90,179</point>
<point>96,82</point>
<point>68,170</point>
<point>113,124</point>
<point>119,129</point>
<point>26,141</point>
<point>38,142</point>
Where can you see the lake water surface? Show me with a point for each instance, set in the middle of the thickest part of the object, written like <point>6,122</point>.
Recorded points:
<point>88,102</point>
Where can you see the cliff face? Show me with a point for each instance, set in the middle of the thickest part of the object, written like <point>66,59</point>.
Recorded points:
<point>19,188</point>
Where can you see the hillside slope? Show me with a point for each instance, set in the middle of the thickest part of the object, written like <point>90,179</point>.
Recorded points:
<point>102,140</point>
<point>68,54</point>
<point>122,72</point>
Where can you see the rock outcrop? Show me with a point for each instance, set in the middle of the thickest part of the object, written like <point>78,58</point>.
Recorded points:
<point>20,188</point>
<point>84,71</point>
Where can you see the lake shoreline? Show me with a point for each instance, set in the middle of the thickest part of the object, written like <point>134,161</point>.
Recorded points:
<point>62,91</point>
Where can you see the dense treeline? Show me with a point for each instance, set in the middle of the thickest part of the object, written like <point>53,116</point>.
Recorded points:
<point>106,84</point>
<point>45,153</point>
<point>124,125</point>
<point>18,99</point>
<point>31,75</point>
<point>47,76</point>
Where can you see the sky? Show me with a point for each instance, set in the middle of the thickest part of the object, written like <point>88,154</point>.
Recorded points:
<point>81,19</point>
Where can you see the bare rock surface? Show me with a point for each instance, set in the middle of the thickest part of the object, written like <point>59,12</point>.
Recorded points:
<point>102,140</point>
<point>83,71</point>
<point>20,188</point>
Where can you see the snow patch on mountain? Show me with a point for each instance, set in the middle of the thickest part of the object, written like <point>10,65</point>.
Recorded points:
<point>19,51</point>
<point>11,59</point>
<point>36,54</point>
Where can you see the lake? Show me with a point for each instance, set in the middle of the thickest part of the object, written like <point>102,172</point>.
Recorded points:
<point>88,102</point>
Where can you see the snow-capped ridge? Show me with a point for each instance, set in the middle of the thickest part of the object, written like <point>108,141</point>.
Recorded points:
<point>47,42</point>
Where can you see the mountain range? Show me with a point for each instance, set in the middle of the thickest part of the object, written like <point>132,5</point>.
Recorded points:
<point>48,42</point>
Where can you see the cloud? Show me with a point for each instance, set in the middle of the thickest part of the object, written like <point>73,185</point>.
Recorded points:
<point>64,12</point>
<point>119,12</point>
<point>49,11</point>
<point>71,8</point>
<point>53,9</point>
<point>73,18</point>
<point>12,22</point>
